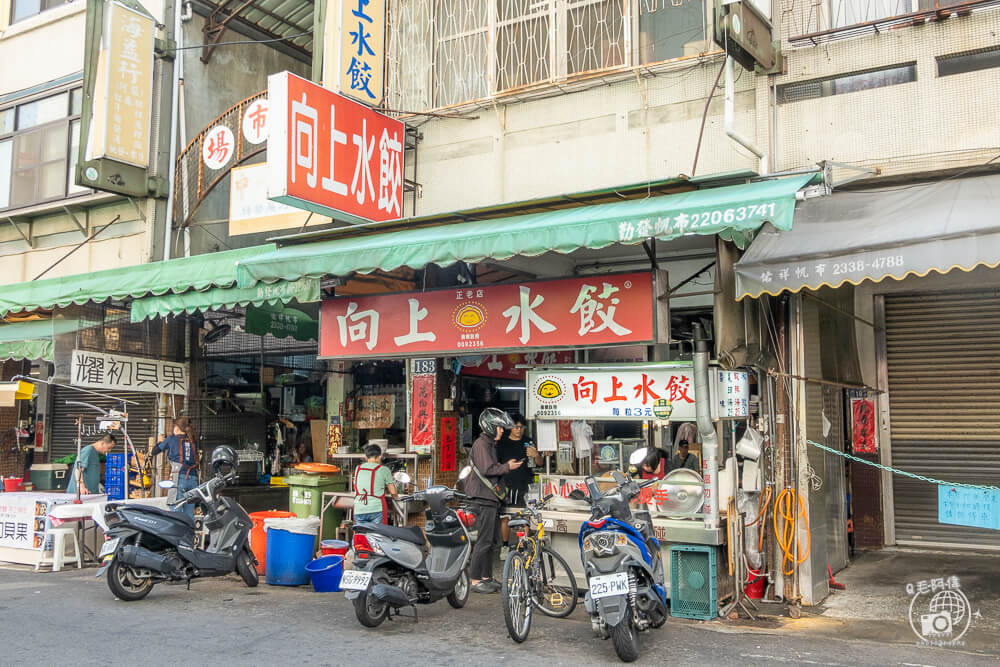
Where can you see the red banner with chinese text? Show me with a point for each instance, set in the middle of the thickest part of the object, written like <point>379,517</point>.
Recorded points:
<point>448,451</point>
<point>863,426</point>
<point>505,366</point>
<point>422,411</point>
<point>597,310</point>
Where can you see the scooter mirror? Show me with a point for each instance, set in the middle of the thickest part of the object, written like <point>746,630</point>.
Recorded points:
<point>638,456</point>
<point>466,471</point>
<point>401,477</point>
<point>577,494</point>
<point>166,484</point>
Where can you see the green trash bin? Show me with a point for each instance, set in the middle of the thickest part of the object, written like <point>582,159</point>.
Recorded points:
<point>305,498</point>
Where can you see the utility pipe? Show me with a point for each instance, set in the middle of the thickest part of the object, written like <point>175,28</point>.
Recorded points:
<point>706,429</point>
<point>168,222</point>
<point>729,119</point>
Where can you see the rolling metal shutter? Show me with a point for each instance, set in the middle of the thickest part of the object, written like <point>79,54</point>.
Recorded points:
<point>141,422</point>
<point>943,360</point>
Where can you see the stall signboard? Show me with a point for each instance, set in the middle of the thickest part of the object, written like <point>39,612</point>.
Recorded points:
<point>24,518</point>
<point>962,506</point>
<point>730,394</point>
<point>354,49</point>
<point>97,370</point>
<point>610,394</point>
<point>251,212</point>
<point>448,439</point>
<point>505,366</point>
<point>331,155</point>
<point>422,414</point>
<point>283,321</point>
<point>596,310</point>
<point>375,411</point>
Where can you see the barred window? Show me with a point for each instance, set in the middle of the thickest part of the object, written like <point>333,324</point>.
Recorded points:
<point>450,52</point>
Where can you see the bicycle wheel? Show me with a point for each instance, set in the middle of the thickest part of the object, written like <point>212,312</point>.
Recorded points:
<point>554,590</point>
<point>516,597</point>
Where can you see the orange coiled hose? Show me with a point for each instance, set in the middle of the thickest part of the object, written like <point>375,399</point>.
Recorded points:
<point>786,514</point>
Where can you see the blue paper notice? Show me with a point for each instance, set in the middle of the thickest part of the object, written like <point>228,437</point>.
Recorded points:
<point>961,506</point>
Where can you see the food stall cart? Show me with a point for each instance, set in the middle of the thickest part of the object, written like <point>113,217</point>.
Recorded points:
<point>660,397</point>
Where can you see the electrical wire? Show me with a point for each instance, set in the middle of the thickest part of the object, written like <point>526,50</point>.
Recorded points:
<point>244,41</point>
<point>788,507</point>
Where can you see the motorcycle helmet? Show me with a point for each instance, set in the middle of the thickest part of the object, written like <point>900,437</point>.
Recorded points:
<point>224,459</point>
<point>492,419</point>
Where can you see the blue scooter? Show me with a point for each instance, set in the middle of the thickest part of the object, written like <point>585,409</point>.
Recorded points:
<point>621,558</point>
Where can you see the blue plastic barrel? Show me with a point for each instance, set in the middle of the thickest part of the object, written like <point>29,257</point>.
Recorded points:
<point>326,573</point>
<point>287,556</point>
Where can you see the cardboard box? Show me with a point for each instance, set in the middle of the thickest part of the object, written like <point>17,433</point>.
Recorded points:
<point>317,429</point>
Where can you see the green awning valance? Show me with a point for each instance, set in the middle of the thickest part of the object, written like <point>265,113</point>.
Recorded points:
<point>31,340</point>
<point>305,290</point>
<point>216,269</point>
<point>732,212</point>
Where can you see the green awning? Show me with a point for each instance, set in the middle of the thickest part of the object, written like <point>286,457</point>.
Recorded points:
<point>305,290</point>
<point>733,212</point>
<point>216,269</point>
<point>31,340</point>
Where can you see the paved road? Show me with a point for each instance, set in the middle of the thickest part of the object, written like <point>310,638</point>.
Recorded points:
<point>71,618</point>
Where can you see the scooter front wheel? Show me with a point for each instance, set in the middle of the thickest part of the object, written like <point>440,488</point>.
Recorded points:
<point>125,584</point>
<point>244,565</point>
<point>460,595</point>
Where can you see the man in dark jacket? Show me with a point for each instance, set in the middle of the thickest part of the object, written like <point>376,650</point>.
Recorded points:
<point>486,503</point>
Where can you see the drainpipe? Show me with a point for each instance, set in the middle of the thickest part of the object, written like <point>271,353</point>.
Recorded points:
<point>706,429</point>
<point>729,119</point>
<point>171,156</point>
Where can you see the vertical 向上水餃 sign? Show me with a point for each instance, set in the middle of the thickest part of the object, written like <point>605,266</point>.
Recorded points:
<point>354,49</point>
<point>331,155</point>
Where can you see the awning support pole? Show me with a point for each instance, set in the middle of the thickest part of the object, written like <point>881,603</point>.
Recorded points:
<point>729,119</point>
<point>841,310</point>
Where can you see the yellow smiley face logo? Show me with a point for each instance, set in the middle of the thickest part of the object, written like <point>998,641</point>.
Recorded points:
<point>469,316</point>
<point>549,389</point>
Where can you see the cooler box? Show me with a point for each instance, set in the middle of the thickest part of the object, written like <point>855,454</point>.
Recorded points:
<point>305,498</point>
<point>50,476</point>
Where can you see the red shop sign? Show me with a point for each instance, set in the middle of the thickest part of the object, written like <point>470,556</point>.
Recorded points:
<point>505,366</point>
<point>331,155</point>
<point>596,310</point>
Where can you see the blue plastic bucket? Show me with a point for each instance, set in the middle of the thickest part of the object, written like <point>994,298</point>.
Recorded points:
<point>287,556</point>
<point>326,572</point>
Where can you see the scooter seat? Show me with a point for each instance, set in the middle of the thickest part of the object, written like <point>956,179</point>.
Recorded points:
<point>406,533</point>
<point>170,514</point>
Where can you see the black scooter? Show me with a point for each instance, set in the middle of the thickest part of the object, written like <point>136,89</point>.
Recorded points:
<point>147,545</point>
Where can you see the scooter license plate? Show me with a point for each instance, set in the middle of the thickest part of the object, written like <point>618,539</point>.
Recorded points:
<point>355,580</point>
<point>109,547</point>
<point>607,585</point>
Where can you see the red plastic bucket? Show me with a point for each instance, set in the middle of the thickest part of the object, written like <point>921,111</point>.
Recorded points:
<point>13,484</point>
<point>258,536</point>
<point>755,586</point>
<point>334,547</point>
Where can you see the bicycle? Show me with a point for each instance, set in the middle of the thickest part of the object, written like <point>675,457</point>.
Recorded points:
<point>534,575</point>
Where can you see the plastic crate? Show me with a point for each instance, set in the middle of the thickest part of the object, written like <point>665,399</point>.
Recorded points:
<point>115,492</point>
<point>115,460</point>
<point>693,586</point>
